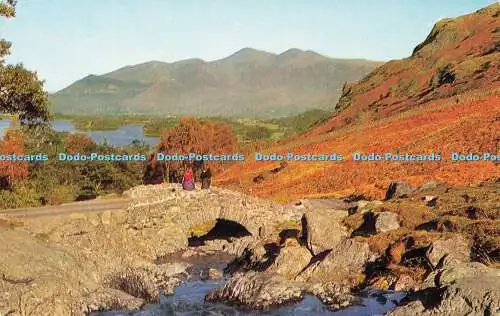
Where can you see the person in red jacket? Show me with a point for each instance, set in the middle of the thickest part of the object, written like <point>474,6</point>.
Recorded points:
<point>188,180</point>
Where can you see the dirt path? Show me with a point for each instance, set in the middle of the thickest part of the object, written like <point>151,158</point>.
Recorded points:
<point>65,209</point>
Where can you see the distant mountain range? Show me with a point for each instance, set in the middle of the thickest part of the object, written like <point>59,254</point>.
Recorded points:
<point>248,83</point>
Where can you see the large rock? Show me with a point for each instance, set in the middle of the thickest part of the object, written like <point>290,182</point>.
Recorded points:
<point>386,221</point>
<point>364,206</point>
<point>398,189</point>
<point>257,290</point>
<point>291,260</point>
<point>464,289</point>
<point>333,295</point>
<point>112,299</point>
<point>429,185</point>
<point>287,260</point>
<point>344,264</point>
<point>449,251</point>
<point>322,229</point>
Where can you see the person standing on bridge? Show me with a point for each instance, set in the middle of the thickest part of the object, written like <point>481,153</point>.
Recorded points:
<point>188,180</point>
<point>206,178</point>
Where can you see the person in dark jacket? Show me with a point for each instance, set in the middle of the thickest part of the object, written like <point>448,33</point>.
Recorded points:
<point>206,178</point>
<point>188,180</point>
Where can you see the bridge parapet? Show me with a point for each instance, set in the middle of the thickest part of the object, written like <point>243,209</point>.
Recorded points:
<point>190,208</point>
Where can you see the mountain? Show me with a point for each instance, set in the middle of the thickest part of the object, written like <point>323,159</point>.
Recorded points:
<point>458,56</point>
<point>247,83</point>
<point>443,99</point>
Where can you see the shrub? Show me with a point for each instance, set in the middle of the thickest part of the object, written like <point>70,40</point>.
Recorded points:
<point>60,194</point>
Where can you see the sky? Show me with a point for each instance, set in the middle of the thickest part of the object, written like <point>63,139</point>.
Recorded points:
<point>65,40</point>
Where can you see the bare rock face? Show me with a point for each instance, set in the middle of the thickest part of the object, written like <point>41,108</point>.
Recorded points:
<point>257,290</point>
<point>386,221</point>
<point>449,251</point>
<point>323,229</point>
<point>464,289</point>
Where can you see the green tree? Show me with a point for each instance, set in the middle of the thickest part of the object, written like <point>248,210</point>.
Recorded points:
<point>21,92</point>
<point>258,133</point>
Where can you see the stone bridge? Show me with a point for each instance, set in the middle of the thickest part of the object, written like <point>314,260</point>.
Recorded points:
<point>190,208</point>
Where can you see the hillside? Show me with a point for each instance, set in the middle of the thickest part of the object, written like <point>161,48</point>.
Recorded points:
<point>248,83</point>
<point>459,55</point>
<point>444,98</point>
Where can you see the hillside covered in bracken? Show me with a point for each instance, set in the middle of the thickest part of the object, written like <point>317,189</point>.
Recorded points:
<point>444,98</point>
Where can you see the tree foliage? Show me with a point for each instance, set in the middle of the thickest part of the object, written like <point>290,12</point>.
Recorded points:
<point>7,8</point>
<point>191,136</point>
<point>12,143</point>
<point>21,92</point>
<point>81,143</point>
<point>258,133</point>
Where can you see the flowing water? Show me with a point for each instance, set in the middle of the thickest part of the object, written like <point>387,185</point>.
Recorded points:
<point>188,299</point>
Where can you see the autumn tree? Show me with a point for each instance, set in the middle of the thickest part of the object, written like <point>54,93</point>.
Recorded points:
<point>12,143</point>
<point>78,143</point>
<point>191,136</point>
<point>21,92</point>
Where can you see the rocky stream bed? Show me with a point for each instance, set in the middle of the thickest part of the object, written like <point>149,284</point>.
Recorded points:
<point>175,252</point>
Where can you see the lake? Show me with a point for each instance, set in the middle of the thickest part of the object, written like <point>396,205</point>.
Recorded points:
<point>120,137</point>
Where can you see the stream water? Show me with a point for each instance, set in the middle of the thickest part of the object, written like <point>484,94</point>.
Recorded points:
<point>188,299</point>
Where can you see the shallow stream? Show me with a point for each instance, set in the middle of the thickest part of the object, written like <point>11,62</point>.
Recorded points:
<point>188,299</point>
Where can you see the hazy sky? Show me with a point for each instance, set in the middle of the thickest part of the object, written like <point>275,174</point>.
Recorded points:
<point>65,40</point>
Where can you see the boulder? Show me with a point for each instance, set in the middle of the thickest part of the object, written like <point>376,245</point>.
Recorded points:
<point>323,230</point>
<point>291,260</point>
<point>403,283</point>
<point>429,185</point>
<point>398,189</point>
<point>386,221</point>
<point>257,290</point>
<point>430,200</point>
<point>343,264</point>
<point>464,289</point>
<point>332,295</point>
<point>449,251</point>
<point>214,274</point>
<point>112,299</point>
<point>366,206</point>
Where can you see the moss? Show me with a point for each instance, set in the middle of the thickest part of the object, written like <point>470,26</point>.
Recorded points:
<point>288,224</point>
<point>201,229</point>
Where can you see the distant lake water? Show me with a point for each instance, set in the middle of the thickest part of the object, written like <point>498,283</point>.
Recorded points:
<point>120,137</point>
